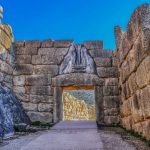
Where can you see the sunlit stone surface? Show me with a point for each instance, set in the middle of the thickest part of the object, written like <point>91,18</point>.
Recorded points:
<point>78,105</point>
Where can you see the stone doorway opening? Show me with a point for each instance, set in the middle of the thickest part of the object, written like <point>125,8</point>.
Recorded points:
<point>79,103</point>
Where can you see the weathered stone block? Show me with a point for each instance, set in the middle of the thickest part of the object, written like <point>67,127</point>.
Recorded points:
<point>38,90</point>
<point>8,79</point>
<point>47,43</point>
<point>101,53</point>
<point>49,60</point>
<point>125,71</point>
<point>111,112</point>
<point>115,61</point>
<point>41,98</point>
<point>144,101</point>
<point>19,43</point>
<point>109,72</point>
<point>111,101</point>
<point>23,97</point>
<point>103,62</point>
<point>46,51</point>
<point>6,68</point>
<point>132,83</point>
<point>29,106</point>
<point>62,43</point>
<point>77,79</point>
<point>26,51</point>
<point>32,43</point>
<point>110,91</point>
<point>146,129</point>
<point>111,120</point>
<point>1,76</point>
<point>52,56</point>
<point>22,69</point>
<point>46,69</point>
<point>143,71</point>
<point>36,59</point>
<point>42,117</point>
<point>125,108</point>
<point>19,80</point>
<point>19,89</point>
<point>127,122</point>
<point>111,82</point>
<point>93,44</point>
<point>38,80</point>
<point>45,107</point>
<point>23,59</point>
<point>136,110</point>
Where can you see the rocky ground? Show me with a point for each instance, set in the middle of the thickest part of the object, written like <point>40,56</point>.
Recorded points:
<point>75,136</point>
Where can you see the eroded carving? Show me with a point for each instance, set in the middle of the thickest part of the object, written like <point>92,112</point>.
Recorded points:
<point>77,60</point>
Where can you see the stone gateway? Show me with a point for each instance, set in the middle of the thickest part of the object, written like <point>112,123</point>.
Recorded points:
<point>40,73</point>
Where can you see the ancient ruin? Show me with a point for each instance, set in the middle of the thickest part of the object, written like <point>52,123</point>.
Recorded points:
<point>36,74</point>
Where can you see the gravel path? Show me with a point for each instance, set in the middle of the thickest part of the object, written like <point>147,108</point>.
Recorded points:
<point>71,135</point>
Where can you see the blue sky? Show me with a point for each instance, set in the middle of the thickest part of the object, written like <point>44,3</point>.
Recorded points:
<point>68,19</point>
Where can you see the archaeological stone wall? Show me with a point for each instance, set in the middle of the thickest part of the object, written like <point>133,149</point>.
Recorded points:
<point>133,56</point>
<point>6,56</point>
<point>37,64</point>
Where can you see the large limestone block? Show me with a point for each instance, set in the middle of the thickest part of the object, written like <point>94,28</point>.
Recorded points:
<point>36,59</point>
<point>8,79</point>
<point>111,101</point>
<point>46,51</point>
<point>111,111</point>
<point>11,112</point>
<point>111,82</point>
<point>23,69</point>
<point>143,73</point>
<point>40,116</point>
<point>93,44</point>
<point>46,69</point>
<point>26,51</point>
<point>62,43</point>
<point>6,68</point>
<point>40,80</point>
<point>47,43</point>
<point>23,97</point>
<point>39,90</point>
<point>132,83</point>
<point>19,89</point>
<point>127,122</point>
<point>124,71</point>
<point>146,129</point>
<point>41,99</point>
<point>45,107</point>
<point>77,79</point>
<point>103,62</point>
<point>23,59</point>
<point>101,53</point>
<point>125,108</point>
<point>144,101</point>
<point>52,55</point>
<point>32,43</point>
<point>111,120</point>
<point>19,43</point>
<point>110,91</point>
<point>19,80</point>
<point>109,72</point>
<point>136,109</point>
<point>29,106</point>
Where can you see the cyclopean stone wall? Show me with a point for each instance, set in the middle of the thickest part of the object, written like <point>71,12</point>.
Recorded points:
<point>37,63</point>
<point>6,55</point>
<point>11,112</point>
<point>133,56</point>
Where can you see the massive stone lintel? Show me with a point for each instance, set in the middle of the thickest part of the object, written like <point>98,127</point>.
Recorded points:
<point>77,60</point>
